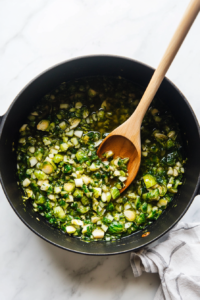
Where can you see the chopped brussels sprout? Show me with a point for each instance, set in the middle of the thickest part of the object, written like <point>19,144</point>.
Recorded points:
<point>43,125</point>
<point>149,180</point>
<point>115,192</point>
<point>130,215</point>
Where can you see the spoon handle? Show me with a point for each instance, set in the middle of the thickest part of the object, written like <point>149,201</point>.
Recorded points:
<point>158,76</point>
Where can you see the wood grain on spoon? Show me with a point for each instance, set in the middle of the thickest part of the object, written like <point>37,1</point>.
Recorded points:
<point>125,140</point>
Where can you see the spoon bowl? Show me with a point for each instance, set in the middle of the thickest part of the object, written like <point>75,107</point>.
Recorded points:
<point>122,147</point>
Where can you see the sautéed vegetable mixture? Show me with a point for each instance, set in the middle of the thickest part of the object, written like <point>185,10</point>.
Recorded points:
<point>70,186</point>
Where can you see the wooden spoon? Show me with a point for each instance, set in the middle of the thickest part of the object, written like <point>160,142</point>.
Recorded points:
<point>125,140</point>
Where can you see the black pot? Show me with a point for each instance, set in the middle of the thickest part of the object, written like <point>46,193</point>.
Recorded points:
<point>92,66</point>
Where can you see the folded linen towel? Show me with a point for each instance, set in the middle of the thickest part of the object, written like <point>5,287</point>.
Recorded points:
<point>177,260</point>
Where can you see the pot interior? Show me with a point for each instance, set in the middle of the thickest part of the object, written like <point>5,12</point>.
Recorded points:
<point>102,66</point>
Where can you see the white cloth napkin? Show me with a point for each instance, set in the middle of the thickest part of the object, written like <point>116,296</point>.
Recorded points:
<point>177,260</point>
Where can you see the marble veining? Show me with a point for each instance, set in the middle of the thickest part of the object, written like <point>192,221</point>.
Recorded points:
<point>36,35</point>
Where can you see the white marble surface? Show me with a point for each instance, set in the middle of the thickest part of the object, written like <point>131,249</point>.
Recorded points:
<point>35,35</point>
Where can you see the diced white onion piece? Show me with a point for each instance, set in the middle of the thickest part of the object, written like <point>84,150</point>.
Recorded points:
<point>175,173</point>
<point>86,179</point>
<point>85,113</point>
<point>33,161</point>
<point>63,125</point>
<point>64,105</point>
<point>106,196</point>
<point>52,197</point>
<point>69,144</point>
<point>109,154</point>
<point>94,167</point>
<point>116,173</point>
<point>51,155</point>
<point>127,206</point>
<point>23,128</point>
<point>45,186</point>
<point>77,222</point>
<point>128,225</point>
<point>78,182</point>
<point>26,182</point>
<point>104,227</point>
<point>170,171</point>
<point>74,141</point>
<point>70,199</point>
<point>132,196</point>
<point>99,208</point>
<point>46,141</point>
<point>57,189</point>
<point>110,217</point>
<point>78,105</point>
<point>48,159</point>
<point>116,161</point>
<point>102,204</point>
<point>179,164</point>
<point>95,204</point>
<point>84,230</point>
<point>95,219</point>
<point>64,147</point>
<point>69,133</point>
<point>53,151</point>
<point>103,197</point>
<point>105,188</point>
<point>31,149</point>
<point>130,215</point>
<point>97,143</point>
<point>57,147</point>
<point>29,193</point>
<point>40,182</point>
<point>65,159</point>
<point>33,176</point>
<point>78,133</point>
<point>98,233</point>
<point>122,178</point>
<point>162,202</point>
<point>70,229</point>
